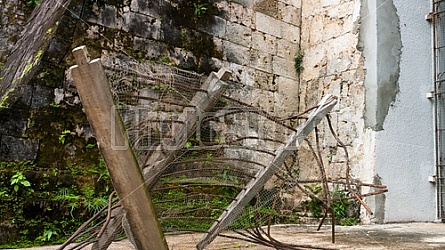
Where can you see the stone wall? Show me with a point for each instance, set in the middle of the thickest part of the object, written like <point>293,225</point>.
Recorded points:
<point>257,41</point>
<point>333,64</point>
<point>43,129</point>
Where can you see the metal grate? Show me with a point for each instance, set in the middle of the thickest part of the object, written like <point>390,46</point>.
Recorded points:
<point>439,57</point>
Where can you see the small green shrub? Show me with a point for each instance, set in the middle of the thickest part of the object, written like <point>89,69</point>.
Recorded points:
<point>298,61</point>
<point>19,180</point>
<point>200,9</point>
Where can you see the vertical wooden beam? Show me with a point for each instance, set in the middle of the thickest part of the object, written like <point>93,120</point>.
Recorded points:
<point>94,91</point>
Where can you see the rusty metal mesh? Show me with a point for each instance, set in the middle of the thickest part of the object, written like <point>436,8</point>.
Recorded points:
<point>231,142</point>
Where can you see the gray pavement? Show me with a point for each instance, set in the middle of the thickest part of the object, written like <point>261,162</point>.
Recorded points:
<point>406,236</point>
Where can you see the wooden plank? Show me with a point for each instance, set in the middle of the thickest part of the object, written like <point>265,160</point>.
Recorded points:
<point>94,91</point>
<point>254,186</point>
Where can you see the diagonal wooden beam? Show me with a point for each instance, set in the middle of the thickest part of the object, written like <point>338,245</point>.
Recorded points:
<point>257,183</point>
<point>94,91</point>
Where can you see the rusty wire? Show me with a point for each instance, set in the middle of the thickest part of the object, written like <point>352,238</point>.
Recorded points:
<point>217,161</point>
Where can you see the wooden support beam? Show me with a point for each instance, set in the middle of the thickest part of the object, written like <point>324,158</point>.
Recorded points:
<point>256,183</point>
<point>94,91</point>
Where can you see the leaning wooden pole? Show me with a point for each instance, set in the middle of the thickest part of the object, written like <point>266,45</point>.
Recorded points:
<point>94,91</point>
<point>257,182</point>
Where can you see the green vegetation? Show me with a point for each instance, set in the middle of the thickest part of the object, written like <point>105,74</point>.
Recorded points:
<point>32,3</point>
<point>200,9</point>
<point>315,206</point>
<point>46,205</point>
<point>63,136</point>
<point>340,205</point>
<point>19,180</point>
<point>298,61</point>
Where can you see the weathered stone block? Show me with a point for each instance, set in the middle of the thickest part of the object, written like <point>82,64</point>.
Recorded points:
<point>268,25</point>
<point>150,48</point>
<point>291,32</point>
<point>42,97</point>
<point>315,61</point>
<point>18,149</point>
<point>332,29</point>
<point>19,97</point>
<point>268,7</point>
<point>285,105</point>
<point>183,58</point>
<point>342,10</point>
<point>264,42</point>
<point>141,25</point>
<point>56,50</point>
<point>286,49</point>
<point>150,8</point>
<point>261,60</point>
<point>284,67</point>
<point>171,34</point>
<point>295,3</point>
<point>313,30</point>
<point>239,34</point>
<point>287,86</point>
<point>338,63</point>
<point>236,53</point>
<point>215,27</point>
<point>12,121</point>
<point>258,98</point>
<point>289,14</point>
<point>240,14</point>
<point>265,81</point>
<point>105,16</point>
<point>241,74</point>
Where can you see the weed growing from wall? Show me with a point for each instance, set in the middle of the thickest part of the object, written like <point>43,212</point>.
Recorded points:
<point>298,61</point>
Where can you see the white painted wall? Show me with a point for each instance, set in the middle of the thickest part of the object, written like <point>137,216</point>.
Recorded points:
<point>404,149</point>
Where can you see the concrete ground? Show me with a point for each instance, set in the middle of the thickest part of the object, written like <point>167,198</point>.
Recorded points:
<point>411,236</point>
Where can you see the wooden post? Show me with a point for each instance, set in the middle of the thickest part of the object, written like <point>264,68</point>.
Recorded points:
<point>94,91</point>
<point>256,183</point>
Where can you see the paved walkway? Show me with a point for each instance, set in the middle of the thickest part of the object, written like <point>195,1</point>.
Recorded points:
<point>412,236</point>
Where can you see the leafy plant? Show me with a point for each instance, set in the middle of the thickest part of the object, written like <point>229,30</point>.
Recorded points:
<point>62,137</point>
<point>49,233</point>
<point>350,221</point>
<point>200,9</point>
<point>314,205</point>
<point>33,3</point>
<point>94,204</point>
<point>340,207</point>
<point>298,61</point>
<point>19,180</point>
<point>91,202</point>
<point>3,193</point>
<point>54,105</point>
<point>70,197</point>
